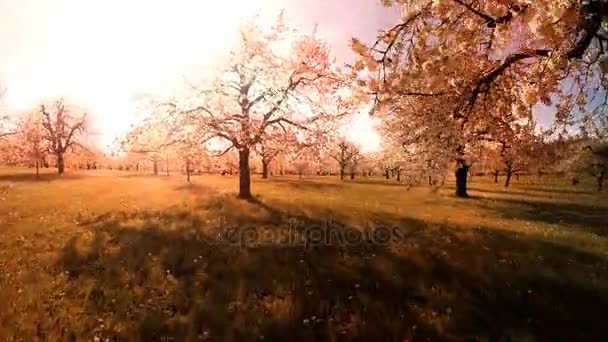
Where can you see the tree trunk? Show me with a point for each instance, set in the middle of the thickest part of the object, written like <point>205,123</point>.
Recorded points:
<point>386,174</point>
<point>167,165</point>
<point>600,181</point>
<point>517,176</point>
<point>398,175</point>
<point>188,170</point>
<point>540,174</point>
<point>574,181</point>
<point>342,174</point>
<point>37,169</point>
<point>352,175</point>
<point>244,176</point>
<point>265,169</point>
<point>430,180</point>
<point>60,164</point>
<point>508,180</point>
<point>461,180</point>
<point>495,176</point>
<point>155,166</point>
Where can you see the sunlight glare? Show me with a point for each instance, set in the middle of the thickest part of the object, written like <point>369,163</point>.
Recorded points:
<point>103,54</point>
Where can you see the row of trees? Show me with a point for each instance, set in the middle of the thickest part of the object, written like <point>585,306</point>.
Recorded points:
<point>454,83</point>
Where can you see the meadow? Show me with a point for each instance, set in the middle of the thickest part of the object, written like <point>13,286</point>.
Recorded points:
<point>102,255</point>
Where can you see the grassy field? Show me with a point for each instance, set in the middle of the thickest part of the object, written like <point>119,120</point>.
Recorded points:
<point>116,256</point>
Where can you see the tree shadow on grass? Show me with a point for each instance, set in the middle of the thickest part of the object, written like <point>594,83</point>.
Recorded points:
<point>44,177</point>
<point>196,189</point>
<point>527,193</point>
<point>587,217</point>
<point>163,275</point>
<point>380,182</point>
<point>305,184</point>
<point>556,190</point>
<point>143,175</point>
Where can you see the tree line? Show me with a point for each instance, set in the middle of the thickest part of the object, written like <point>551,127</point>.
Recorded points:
<point>454,83</point>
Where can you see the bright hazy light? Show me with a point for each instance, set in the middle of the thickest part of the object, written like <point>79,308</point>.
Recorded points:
<point>102,54</point>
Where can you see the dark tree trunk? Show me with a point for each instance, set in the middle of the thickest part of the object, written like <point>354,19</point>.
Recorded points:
<point>188,170</point>
<point>574,181</point>
<point>352,175</point>
<point>155,166</point>
<point>386,174</point>
<point>398,175</point>
<point>495,176</point>
<point>244,175</point>
<point>342,174</point>
<point>60,164</point>
<point>600,181</point>
<point>430,180</point>
<point>37,169</point>
<point>508,180</point>
<point>461,180</point>
<point>265,168</point>
<point>167,165</point>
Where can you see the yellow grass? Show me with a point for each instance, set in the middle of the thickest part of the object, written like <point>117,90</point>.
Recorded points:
<point>135,257</point>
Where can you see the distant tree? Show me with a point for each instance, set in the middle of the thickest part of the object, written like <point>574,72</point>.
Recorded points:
<point>301,166</point>
<point>590,158</point>
<point>151,140</point>
<point>393,159</point>
<point>61,127</point>
<point>355,163</point>
<point>516,150</point>
<point>343,154</point>
<point>276,141</point>
<point>545,156</point>
<point>84,156</point>
<point>33,141</point>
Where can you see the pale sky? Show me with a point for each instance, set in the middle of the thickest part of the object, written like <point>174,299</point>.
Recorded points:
<point>101,54</point>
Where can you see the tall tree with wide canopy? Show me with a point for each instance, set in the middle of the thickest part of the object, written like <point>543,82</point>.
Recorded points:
<point>458,72</point>
<point>274,79</point>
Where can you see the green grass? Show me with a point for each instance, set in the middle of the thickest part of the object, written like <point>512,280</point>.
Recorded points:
<point>130,257</point>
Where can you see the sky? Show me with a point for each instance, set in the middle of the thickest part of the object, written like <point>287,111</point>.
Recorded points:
<point>103,54</point>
